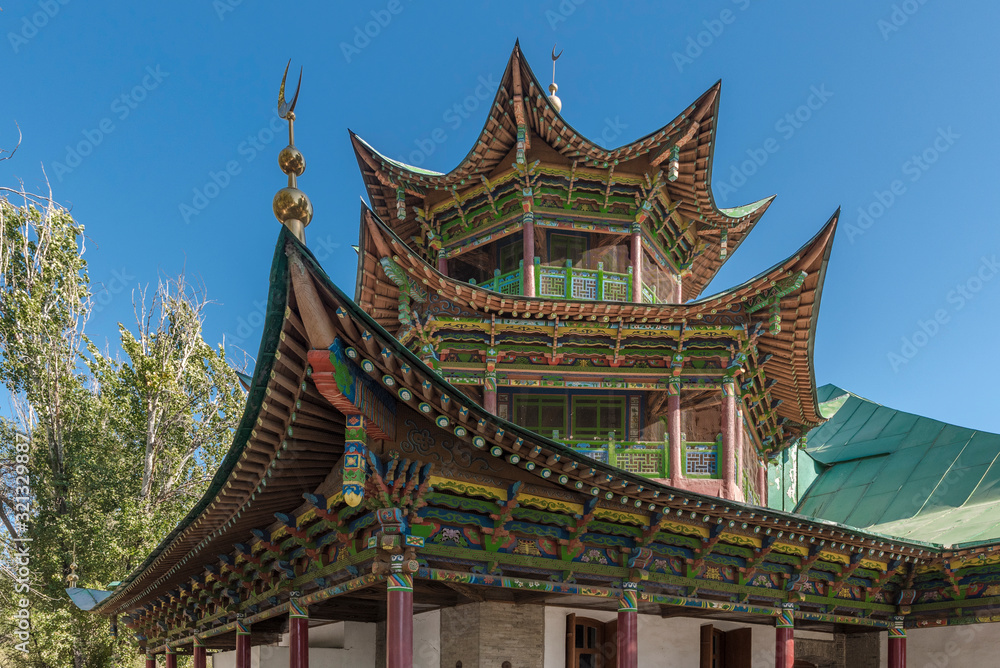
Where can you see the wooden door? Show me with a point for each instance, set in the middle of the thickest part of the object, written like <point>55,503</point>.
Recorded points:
<point>706,646</point>
<point>737,648</point>
<point>584,643</point>
<point>610,645</point>
<point>712,647</point>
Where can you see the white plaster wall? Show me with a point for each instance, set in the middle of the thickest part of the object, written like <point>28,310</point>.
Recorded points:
<point>273,656</point>
<point>337,645</point>
<point>427,640</point>
<point>972,646</point>
<point>664,643</point>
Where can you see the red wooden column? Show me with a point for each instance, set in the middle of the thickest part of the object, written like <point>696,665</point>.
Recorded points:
<point>490,382</point>
<point>298,635</point>
<point>171,658</point>
<point>676,463</point>
<point>490,397</point>
<point>198,658</point>
<point>150,660</point>
<point>728,467</point>
<point>784,649</point>
<point>628,626</point>
<point>897,643</point>
<point>399,621</point>
<point>762,482</point>
<point>740,468</point>
<point>242,645</point>
<point>636,263</point>
<point>528,267</point>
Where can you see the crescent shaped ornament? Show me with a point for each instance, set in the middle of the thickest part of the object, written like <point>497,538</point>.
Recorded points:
<point>286,108</point>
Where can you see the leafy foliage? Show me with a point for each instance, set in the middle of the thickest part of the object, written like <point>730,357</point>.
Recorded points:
<point>118,447</point>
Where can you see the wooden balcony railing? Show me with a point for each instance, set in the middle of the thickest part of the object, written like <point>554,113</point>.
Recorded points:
<point>650,458</point>
<point>569,282</point>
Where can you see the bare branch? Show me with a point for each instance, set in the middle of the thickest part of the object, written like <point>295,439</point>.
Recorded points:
<point>14,150</point>
<point>7,523</point>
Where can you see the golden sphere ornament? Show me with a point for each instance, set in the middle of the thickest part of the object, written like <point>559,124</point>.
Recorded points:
<point>291,161</point>
<point>292,204</point>
<point>553,98</point>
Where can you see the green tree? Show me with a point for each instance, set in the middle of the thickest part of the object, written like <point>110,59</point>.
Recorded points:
<point>118,446</point>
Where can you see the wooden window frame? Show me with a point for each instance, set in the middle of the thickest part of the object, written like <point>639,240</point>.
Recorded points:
<point>606,640</point>
<point>522,399</point>
<point>601,431</point>
<point>726,649</point>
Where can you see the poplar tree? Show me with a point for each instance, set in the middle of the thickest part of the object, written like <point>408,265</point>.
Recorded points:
<point>115,447</point>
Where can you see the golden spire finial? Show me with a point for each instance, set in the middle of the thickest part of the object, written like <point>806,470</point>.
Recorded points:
<point>553,98</point>
<point>291,206</point>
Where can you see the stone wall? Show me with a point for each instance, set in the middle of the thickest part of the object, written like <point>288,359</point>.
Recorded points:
<point>823,653</point>
<point>863,650</point>
<point>486,635</point>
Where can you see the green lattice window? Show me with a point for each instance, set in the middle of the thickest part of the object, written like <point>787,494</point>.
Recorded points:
<point>701,460</point>
<point>510,255</point>
<point>542,414</point>
<point>564,247</point>
<point>594,417</point>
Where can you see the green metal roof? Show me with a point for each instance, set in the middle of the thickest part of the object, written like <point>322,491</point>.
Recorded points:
<point>397,163</point>
<point>746,209</point>
<point>892,472</point>
<point>86,599</point>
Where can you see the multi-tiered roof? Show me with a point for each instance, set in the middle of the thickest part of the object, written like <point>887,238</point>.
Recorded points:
<point>430,210</point>
<point>350,443</point>
<point>527,157</point>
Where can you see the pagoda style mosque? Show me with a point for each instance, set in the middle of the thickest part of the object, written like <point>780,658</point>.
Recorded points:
<point>529,440</point>
<point>557,284</point>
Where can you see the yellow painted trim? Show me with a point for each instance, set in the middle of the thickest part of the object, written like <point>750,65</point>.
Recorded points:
<point>545,503</point>
<point>439,483</point>
<point>621,516</point>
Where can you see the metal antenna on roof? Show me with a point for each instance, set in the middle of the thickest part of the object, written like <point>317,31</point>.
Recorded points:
<point>291,206</point>
<point>553,87</point>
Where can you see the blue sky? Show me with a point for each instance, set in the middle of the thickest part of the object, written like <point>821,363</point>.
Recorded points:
<point>883,108</point>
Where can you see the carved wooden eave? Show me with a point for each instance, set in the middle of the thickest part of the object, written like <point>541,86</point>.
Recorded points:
<point>395,188</point>
<point>790,349</point>
<point>274,520</point>
<point>282,449</point>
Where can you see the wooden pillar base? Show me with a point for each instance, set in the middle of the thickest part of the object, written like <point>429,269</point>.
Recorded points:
<point>399,622</point>
<point>728,464</point>
<point>298,636</point>
<point>897,643</point>
<point>675,467</point>
<point>784,649</point>
<point>897,652</point>
<point>636,252</point>
<point>242,645</point>
<point>628,626</point>
<point>528,254</point>
<point>199,657</point>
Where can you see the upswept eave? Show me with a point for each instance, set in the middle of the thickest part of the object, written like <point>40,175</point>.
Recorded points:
<point>817,249</point>
<point>238,488</point>
<point>694,130</point>
<point>791,348</point>
<point>197,532</point>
